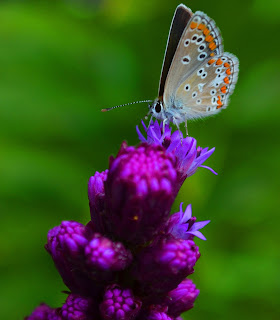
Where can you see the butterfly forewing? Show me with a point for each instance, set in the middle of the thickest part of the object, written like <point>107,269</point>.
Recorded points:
<point>200,41</point>
<point>180,20</point>
<point>207,90</point>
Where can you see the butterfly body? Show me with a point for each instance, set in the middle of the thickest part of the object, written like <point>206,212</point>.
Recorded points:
<point>197,76</point>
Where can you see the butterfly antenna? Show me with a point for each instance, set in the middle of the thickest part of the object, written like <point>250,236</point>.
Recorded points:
<point>126,104</point>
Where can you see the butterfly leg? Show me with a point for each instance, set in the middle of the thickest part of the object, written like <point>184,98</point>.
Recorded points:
<point>186,126</point>
<point>150,122</point>
<point>177,125</point>
<point>163,125</point>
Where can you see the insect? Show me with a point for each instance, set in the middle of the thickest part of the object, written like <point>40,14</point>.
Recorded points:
<point>197,77</point>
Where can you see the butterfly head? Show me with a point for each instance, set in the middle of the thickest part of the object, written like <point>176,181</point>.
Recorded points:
<point>157,110</point>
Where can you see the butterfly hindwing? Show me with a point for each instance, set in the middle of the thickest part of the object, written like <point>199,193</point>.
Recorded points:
<point>206,91</point>
<point>200,41</point>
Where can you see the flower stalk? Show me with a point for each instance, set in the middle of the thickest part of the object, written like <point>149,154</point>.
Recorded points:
<point>132,259</point>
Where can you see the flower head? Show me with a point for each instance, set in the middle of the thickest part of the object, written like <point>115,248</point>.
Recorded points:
<point>44,312</point>
<point>131,260</point>
<point>139,191</point>
<point>182,298</point>
<point>119,304</point>
<point>183,226</point>
<point>72,238</point>
<point>78,307</point>
<point>165,263</point>
<point>71,270</point>
<point>104,254</point>
<point>96,195</point>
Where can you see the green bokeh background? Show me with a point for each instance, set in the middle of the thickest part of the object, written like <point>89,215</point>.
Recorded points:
<point>61,62</point>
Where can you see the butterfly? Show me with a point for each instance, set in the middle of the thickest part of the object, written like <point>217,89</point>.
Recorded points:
<point>197,76</point>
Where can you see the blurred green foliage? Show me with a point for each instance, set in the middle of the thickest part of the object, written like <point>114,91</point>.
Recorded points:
<point>61,62</point>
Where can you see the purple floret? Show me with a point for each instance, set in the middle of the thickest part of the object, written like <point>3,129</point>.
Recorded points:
<point>119,304</point>
<point>183,226</point>
<point>139,191</point>
<point>189,156</point>
<point>182,298</point>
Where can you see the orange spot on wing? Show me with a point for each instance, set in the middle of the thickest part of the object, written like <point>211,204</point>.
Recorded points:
<point>211,61</point>
<point>212,54</point>
<point>201,26</point>
<point>193,25</point>
<point>206,31</point>
<point>228,72</point>
<point>219,102</point>
<point>219,62</point>
<point>224,89</point>
<point>226,65</point>
<point>212,45</point>
<point>226,80</point>
<point>209,38</point>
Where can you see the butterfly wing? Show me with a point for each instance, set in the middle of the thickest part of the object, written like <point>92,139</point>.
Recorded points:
<point>180,20</point>
<point>206,91</point>
<point>200,41</point>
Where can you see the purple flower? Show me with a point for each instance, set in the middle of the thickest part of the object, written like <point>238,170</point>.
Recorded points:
<point>78,308</point>
<point>131,259</point>
<point>164,264</point>
<point>189,157</point>
<point>119,304</point>
<point>96,195</point>
<point>104,254</point>
<point>139,191</point>
<point>43,312</point>
<point>182,298</point>
<point>183,226</point>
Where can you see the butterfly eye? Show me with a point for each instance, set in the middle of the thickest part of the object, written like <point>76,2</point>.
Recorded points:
<point>158,107</point>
